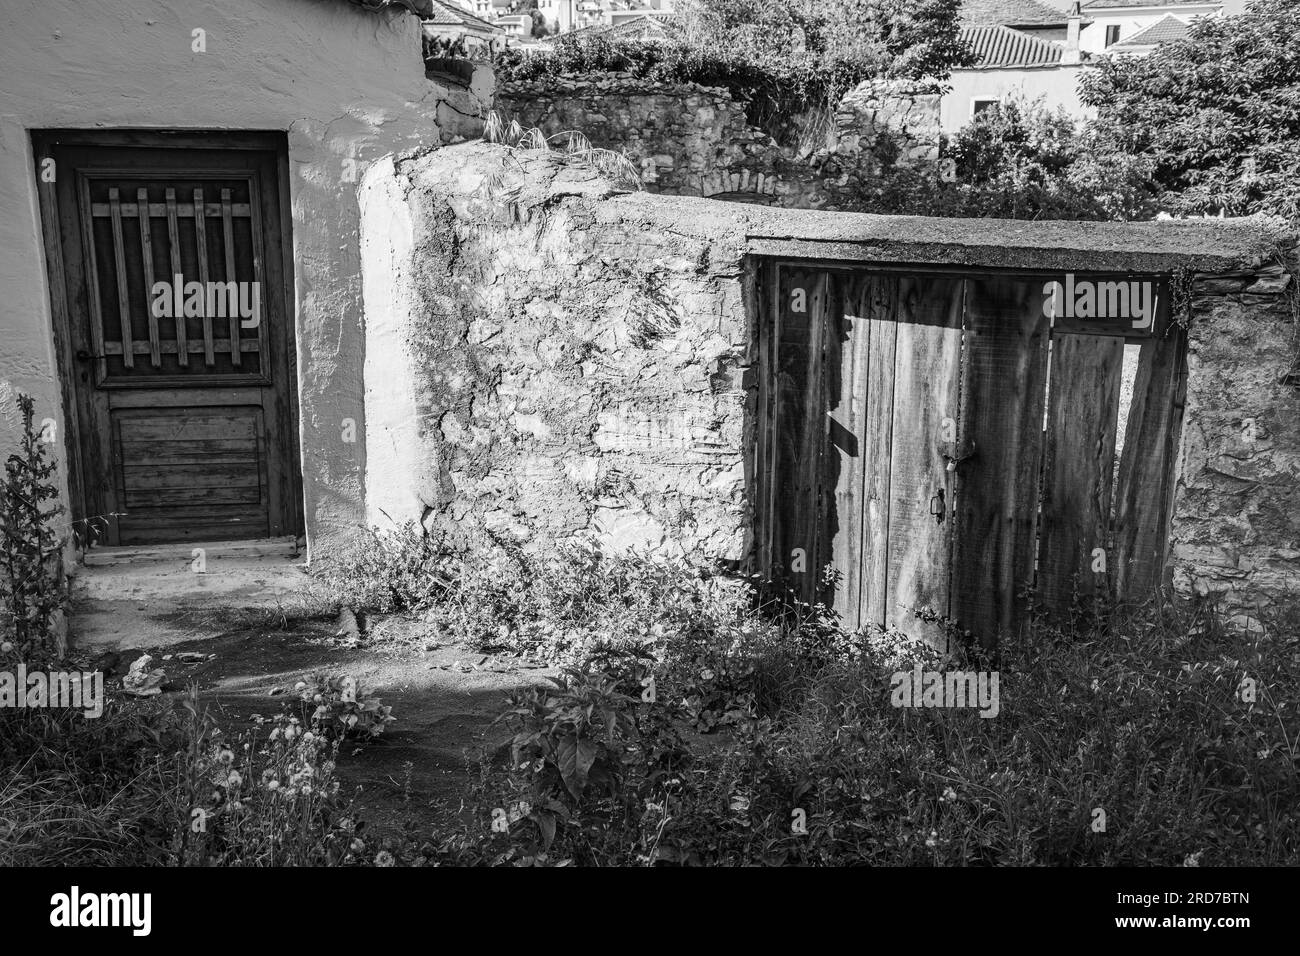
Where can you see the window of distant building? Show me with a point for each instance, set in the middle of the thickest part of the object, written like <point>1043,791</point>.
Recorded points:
<point>978,104</point>
<point>1112,34</point>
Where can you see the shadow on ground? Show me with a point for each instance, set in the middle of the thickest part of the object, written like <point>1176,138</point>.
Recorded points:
<point>444,696</point>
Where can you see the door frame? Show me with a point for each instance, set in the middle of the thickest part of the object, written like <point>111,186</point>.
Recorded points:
<point>275,142</point>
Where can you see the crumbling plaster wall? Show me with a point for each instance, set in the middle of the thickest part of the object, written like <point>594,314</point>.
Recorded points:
<point>346,85</point>
<point>555,366</point>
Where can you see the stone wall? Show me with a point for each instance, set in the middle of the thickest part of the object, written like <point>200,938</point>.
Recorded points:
<point>548,358</point>
<point>692,140</point>
<point>1236,527</point>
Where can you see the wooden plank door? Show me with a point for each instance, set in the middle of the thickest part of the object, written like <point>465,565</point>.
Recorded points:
<point>943,449</point>
<point>1148,466</point>
<point>1079,469</point>
<point>178,321</point>
<point>923,436</point>
<point>1004,379</point>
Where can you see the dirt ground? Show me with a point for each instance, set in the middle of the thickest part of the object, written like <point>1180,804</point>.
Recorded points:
<point>445,697</point>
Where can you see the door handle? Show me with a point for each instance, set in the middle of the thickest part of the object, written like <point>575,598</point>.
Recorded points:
<point>939,511</point>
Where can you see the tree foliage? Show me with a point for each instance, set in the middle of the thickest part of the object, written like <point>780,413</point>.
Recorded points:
<point>778,57</point>
<point>913,39</point>
<point>1019,160</point>
<point>1217,114</point>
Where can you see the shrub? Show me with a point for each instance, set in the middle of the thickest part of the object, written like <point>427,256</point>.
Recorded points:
<point>31,577</point>
<point>1216,114</point>
<point>1019,160</point>
<point>338,708</point>
<point>150,784</point>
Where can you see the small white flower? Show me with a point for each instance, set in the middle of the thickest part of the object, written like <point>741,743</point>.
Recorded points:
<point>933,839</point>
<point>950,794</point>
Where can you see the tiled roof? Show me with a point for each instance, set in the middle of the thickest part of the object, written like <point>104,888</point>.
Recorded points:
<point>637,28</point>
<point>1162,31</point>
<point>1011,13</point>
<point>449,15</point>
<point>1002,46</point>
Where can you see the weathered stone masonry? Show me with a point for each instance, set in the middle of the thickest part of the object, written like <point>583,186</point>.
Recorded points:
<point>692,140</point>
<point>1236,525</point>
<point>549,359</point>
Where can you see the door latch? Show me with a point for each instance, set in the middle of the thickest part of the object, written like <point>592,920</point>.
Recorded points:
<point>938,511</point>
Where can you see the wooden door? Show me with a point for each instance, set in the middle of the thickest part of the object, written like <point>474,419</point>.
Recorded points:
<point>934,447</point>
<point>180,335</point>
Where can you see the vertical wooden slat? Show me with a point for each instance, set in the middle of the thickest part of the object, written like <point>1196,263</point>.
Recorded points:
<point>146,254</point>
<point>765,297</point>
<point>119,258</point>
<point>174,242</point>
<point>879,302</point>
<point>259,272</point>
<point>847,343</point>
<point>1144,493</point>
<point>1079,469</point>
<point>926,392</point>
<point>201,244</point>
<point>809,504</point>
<point>228,239</point>
<point>800,428</point>
<point>1004,372</point>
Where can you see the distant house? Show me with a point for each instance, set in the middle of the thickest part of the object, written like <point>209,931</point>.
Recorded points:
<point>1166,30</point>
<point>634,28</point>
<point>451,30</point>
<point>1138,26</point>
<point>1023,48</point>
<point>516,24</point>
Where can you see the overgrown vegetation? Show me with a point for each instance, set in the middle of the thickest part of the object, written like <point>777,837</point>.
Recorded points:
<point>1128,746</point>
<point>1216,114</point>
<point>31,577</point>
<point>1019,160</point>
<point>147,783</point>
<point>778,58</point>
<point>153,784</point>
<point>694,723</point>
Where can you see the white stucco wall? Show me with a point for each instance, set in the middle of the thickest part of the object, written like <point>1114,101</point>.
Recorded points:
<point>342,82</point>
<point>392,419</point>
<point>1058,87</point>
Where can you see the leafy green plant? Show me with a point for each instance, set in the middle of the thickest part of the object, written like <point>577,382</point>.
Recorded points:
<point>338,708</point>
<point>31,577</point>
